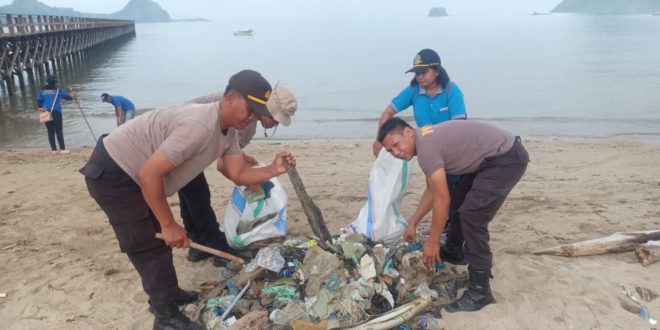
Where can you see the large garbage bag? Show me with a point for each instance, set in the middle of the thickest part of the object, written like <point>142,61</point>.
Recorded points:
<point>246,222</point>
<point>379,218</point>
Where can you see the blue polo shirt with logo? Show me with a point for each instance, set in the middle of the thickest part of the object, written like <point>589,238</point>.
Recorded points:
<point>124,103</point>
<point>46,98</point>
<point>445,105</point>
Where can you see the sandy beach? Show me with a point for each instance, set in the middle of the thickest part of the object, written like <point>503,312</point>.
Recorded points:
<point>61,268</point>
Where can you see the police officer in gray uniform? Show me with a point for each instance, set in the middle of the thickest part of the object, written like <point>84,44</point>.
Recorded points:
<point>490,160</point>
<point>130,178</point>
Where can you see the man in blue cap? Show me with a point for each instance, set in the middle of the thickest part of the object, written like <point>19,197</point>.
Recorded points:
<point>124,108</point>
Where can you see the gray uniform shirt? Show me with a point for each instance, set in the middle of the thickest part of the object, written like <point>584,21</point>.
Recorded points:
<point>459,146</point>
<point>189,136</point>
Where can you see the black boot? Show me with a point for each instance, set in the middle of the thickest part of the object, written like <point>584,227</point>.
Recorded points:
<point>181,297</point>
<point>168,317</point>
<point>221,244</point>
<point>452,250</point>
<point>477,296</point>
<point>196,255</point>
<point>453,255</point>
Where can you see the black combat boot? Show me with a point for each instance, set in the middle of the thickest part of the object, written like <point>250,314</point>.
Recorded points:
<point>220,244</point>
<point>196,255</point>
<point>477,296</point>
<point>168,317</point>
<point>453,255</point>
<point>452,250</point>
<point>181,297</point>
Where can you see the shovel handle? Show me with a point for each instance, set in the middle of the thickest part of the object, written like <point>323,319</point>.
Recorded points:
<point>209,250</point>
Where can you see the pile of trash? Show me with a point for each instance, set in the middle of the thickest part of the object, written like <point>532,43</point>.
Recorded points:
<point>353,283</point>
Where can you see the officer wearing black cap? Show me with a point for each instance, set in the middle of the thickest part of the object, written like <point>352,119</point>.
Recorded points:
<point>131,172</point>
<point>425,59</point>
<point>200,221</point>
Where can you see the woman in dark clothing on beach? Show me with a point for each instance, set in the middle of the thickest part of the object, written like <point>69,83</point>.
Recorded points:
<point>49,100</point>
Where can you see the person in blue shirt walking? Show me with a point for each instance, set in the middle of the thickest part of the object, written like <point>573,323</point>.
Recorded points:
<point>435,99</point>
<point>124,108</point>
<point>49,99</point>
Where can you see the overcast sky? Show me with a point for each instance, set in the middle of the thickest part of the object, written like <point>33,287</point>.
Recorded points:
<point>206,8</point>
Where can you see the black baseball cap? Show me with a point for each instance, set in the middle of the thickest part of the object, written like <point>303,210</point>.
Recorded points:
<point>254,88</point>
<point>105,96</point>
<point>425,59</point>
<point>51,79</point>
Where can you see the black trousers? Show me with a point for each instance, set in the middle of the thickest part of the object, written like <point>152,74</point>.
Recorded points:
<point>134,224</point>
<point>199,219</point>
<point>54,128</point>
<point>197,213</point>
<point>478,197</point>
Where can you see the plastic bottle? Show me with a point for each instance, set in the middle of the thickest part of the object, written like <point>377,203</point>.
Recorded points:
<point>430,323</point>
<point>644,313</point>
<point>231,286</point>
<point>333,321</point>
<point>414,246</point>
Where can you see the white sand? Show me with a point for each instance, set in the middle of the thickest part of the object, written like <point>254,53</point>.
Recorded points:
<point>66,271</point>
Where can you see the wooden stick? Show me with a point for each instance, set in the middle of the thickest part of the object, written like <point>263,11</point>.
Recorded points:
<point>313,213</point>
<point>617,242</point>
<point>648,253</point>
<point>209,250</point>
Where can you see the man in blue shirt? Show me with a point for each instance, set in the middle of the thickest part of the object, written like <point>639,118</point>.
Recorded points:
<point>124,108</point>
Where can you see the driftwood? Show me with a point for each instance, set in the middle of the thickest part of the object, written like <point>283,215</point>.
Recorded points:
<point>648,253</point>
<point>313,213</point>
<point>617,242</point>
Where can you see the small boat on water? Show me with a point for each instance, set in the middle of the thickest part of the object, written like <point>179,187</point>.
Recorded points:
<point>537,13</point>
<point>248,32</point>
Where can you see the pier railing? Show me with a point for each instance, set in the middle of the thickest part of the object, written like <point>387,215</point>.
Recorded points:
<point>30,42</point>
<point>21,25</point>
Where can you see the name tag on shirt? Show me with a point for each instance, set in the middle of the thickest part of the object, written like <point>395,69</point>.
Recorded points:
<point>444,109</point>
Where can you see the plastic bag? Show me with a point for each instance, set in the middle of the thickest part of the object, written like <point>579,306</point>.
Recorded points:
<point>379,218</point>
<point>246,223</point>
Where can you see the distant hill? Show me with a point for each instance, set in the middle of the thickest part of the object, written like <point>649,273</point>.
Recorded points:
<point>137,10</point>
<point>143,11</point>
<point>35,7</point>
<point>608,6</point>
<point>437,12</point>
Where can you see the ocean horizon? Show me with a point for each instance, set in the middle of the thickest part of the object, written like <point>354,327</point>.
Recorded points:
<point>548,76</point>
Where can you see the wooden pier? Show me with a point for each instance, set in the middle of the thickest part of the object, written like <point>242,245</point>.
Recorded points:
<point>30,42</point>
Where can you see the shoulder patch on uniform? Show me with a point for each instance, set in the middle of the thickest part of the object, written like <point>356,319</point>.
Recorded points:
<point>426,130</point>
